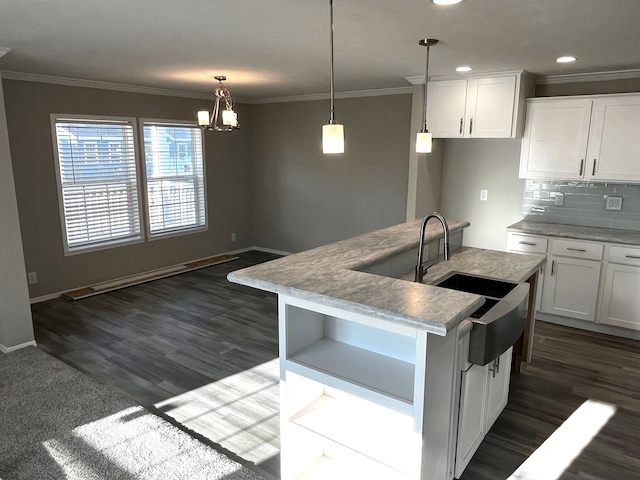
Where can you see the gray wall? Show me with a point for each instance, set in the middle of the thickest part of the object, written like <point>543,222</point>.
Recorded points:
<point>15,315</point>
<point>471,165</point>
<point>302,198</point>
<point>228,170</point>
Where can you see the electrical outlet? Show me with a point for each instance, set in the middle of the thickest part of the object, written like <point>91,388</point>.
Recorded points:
<point>32,277</point>
<point>614,203</point>
<point>484,195</point>
<point>233,237</point>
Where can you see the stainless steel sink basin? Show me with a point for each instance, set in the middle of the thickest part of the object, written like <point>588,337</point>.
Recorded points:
<point>500,321</point>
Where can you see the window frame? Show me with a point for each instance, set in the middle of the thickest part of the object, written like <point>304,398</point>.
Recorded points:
<point>111,243</point>
<point>142,122</point>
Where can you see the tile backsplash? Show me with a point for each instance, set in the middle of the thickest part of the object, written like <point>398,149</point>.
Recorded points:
<point>581,203</point>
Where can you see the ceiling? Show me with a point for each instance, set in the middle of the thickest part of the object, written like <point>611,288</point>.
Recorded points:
<point>275,48</point>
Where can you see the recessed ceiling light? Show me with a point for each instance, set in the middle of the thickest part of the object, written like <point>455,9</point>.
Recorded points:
<point>567,59</point>
<point>445,2</point>
<point>464,68</point>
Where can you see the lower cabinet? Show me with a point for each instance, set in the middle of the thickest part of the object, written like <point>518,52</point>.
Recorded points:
<point>484,392</point>
<point>620,304</point>
<point>571,287</point>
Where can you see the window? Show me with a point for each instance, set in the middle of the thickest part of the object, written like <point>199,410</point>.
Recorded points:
<point>174,177</point>
<point>97,181</point>
<point>100,189</point>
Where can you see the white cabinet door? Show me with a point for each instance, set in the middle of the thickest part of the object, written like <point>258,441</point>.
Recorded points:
<point>446,101</point>
<point>554,144</point>
<point>497,391</point>
<point>621,299</point>
<point>472,412</point>
<point>571,287</point>
<point>614,142</point>
<point>490,107</point>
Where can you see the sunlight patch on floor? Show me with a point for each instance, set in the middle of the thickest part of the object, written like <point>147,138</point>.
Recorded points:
<point>239,412</point>
<point>557,453</point>
<point>134,443</point>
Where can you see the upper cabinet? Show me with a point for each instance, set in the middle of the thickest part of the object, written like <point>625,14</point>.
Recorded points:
<point>478,107</point>
<point>582,138</point>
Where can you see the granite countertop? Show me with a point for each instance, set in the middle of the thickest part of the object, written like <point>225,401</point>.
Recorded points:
<point>598,234</point>
<point>328,275</point>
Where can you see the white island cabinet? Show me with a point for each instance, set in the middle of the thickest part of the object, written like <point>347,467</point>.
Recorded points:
<point>371,362</point>
<point>366,398</point>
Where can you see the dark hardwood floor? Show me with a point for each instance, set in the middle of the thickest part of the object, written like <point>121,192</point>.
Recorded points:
<point>203,352</point>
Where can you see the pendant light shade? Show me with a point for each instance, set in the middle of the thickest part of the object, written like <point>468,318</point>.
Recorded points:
<point>225,122</point>
<point>424,141</point>
<point>332,133</point>
<point>333,138</point>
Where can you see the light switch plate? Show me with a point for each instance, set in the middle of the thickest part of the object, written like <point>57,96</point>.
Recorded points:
<point>614,203</point>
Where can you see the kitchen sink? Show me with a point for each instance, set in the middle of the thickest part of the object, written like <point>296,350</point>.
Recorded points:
<point>500,321</point>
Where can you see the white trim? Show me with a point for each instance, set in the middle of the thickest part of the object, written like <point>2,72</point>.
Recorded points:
<point>52,296</point>
<point>325,96</point>
<point>271,250</point>
<point>4,349</point>
<point>76,82</point>
<point>3,52</point>
<point>45,298</point>
<point>589,77</point>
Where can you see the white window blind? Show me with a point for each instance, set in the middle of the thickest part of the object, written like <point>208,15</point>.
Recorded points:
<point>98,185</point>
<point>175,178</point>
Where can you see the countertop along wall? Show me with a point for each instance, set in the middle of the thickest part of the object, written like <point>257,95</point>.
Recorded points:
<point>304,199</point>
<point>471,165</point>
<point>228,171</point>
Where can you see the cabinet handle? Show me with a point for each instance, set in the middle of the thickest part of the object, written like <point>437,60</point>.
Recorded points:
<point>553,265</point>
<point>635,257</point>
<point>581,166</point>
<point>470,126</point>
<point>461,123</point>
<point>528,243</point>
<point>576,249</point>
<point>495,367</point>
<point>594,167</point>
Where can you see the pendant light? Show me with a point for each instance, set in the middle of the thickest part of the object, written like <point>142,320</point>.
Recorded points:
<point>423,139</point>
<point>332,133</point>
<point>228,121</point>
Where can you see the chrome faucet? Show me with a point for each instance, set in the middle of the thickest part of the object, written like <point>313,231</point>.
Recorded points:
<point>421,267</point>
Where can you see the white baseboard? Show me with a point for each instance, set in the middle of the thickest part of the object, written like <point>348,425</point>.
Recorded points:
<point>52,296</point>
<point>4,349</point>
<point>589,326</point>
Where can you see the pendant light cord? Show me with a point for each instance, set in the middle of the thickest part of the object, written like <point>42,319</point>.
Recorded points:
<point>332,117</point>
<point>426,80</point>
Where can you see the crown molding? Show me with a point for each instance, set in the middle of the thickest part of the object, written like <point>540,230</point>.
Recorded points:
<point>589,77</point>
<point>325,96</point>
<point>4,51</point>
<point>75,82</point>
<point>419,79</point>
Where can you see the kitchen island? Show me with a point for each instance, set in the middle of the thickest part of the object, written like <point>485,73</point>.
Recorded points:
<point>370,363</point>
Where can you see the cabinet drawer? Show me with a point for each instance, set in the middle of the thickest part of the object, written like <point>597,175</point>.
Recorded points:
<point>572,248</point>
<point>526,243</point>
<point>624,255</point>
